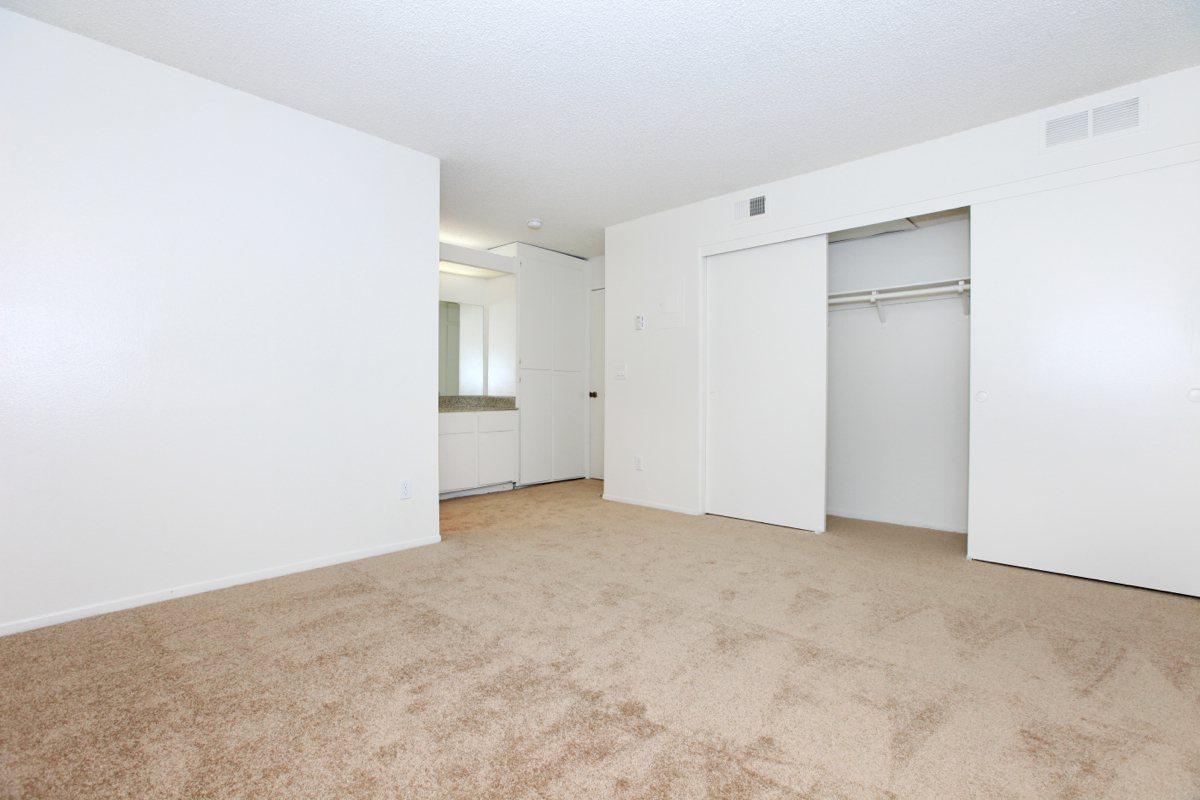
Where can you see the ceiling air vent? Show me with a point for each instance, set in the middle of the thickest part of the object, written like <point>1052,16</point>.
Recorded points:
<point>745,209</point>
<point>1071,128</point>
<point>1125,115</point>
<point>1116,116</point>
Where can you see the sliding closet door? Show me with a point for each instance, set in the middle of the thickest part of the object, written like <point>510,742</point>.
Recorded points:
<point>1085,380</point>
<point>765,439</point>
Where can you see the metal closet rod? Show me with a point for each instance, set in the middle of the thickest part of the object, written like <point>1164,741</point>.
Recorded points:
<point>899,292</point>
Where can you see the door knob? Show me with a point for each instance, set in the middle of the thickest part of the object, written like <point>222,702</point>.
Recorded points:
<point>592,394</point>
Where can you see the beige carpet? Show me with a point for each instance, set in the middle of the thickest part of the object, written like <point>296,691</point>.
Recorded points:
<point>555,645</point>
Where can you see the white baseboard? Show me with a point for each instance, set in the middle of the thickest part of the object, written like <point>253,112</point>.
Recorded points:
<point>550,480</point>
<point>132,601</point>
<point>695,512</point>
<point>495,487</point>
<point>903,523</point>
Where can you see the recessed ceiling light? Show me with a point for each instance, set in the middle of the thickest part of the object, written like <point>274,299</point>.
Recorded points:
<point>534,224</point>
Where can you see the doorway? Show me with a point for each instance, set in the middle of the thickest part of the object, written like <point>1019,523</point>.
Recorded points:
<point>837,376</point>
<point>899,377</point>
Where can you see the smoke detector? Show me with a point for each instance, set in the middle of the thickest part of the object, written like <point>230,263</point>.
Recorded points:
<point>534,224</point>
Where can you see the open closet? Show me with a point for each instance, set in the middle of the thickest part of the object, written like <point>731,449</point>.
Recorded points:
<point>838,379</point>
<point>898,371</point>
<point>1025,370</point>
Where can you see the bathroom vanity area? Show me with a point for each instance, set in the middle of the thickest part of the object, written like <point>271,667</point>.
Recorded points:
<point>478,450</point>
<point>512,358</point>
<point>478,421</point>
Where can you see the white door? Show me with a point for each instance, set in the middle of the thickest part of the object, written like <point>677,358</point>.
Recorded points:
<point>537,425</point>
<point>1085,380</point>
<point>569,331</point>
<point>458,466</point>
<point>569,342</point>
<point>596,378</point>
<point>498,457</point>
<point>765,425</point>
<point>552,318</point>
<point>535,314</point>
<point>570,425</point>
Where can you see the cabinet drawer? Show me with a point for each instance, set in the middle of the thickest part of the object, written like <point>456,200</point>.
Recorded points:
<point>498,421</point>
<point>457,422</point>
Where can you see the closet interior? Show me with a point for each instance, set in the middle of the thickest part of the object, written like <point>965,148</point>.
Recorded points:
<point>898,371</point>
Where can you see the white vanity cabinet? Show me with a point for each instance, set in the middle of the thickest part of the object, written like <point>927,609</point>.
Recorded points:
<point>477,449</point>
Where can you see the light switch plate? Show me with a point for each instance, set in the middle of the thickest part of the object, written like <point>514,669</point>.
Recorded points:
<point>622,372</point>
<point>639,322</point>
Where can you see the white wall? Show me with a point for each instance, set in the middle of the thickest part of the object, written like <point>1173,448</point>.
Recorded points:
<point>897,449</point>
<point>595,272</point>
<point>653,264</point>
<point>939,252</point>
<point>462,289</point>
<point>217,315</point>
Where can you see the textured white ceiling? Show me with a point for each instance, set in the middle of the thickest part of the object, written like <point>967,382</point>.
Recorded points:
<point>589,113</point>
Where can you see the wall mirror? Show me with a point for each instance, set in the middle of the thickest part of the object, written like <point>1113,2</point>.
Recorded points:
<point>462,358</point>
<point>477,331</point>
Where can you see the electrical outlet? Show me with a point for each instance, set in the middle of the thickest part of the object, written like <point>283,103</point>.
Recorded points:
<point>637,463</point>
<point>622,372</point>
<point>405,490</point>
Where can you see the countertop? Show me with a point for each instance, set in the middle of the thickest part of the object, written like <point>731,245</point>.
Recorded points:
<point>472,402</point>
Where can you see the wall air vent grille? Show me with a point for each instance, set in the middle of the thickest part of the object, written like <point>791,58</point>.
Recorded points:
<point>746,209</point>
<point>1116,116</point>
<point>1071,128</point>
<point>1124,115</point>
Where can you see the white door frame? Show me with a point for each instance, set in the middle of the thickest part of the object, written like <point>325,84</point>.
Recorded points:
<point>603,375</point>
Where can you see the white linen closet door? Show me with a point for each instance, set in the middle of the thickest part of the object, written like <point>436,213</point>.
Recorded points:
<point>1085,380</point>
<point>537,425</point>
<point>765,424</point>
<point>569,346</point>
